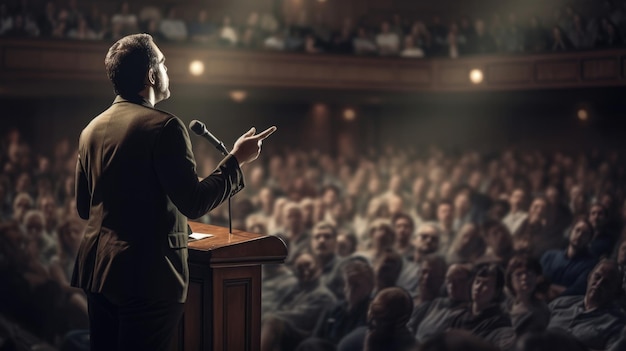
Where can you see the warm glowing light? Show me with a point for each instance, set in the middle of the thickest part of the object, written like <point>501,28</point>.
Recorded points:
<point>476,76</point>
<point>238,95</point>
<point>583,115</point>
<point>196,67</point>
<point>349,114</point>
<point>319,108</point>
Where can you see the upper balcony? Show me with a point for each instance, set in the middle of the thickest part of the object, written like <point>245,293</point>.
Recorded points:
<point>74,68</point>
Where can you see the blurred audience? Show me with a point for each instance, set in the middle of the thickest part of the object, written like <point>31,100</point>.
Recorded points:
<point>585,25</point>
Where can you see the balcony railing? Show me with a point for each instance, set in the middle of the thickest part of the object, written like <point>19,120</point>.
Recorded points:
<point>37,66</point>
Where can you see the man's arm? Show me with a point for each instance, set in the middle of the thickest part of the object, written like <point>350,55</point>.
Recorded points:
<point>176,168</point>
<point>82,193</point>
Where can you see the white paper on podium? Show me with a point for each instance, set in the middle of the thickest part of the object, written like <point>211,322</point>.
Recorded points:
<point>198,236</point>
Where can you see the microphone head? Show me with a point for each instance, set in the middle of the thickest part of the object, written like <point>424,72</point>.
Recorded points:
<point>197,127</point>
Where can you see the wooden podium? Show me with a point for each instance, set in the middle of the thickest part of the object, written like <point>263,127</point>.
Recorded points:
<point>223,309</point>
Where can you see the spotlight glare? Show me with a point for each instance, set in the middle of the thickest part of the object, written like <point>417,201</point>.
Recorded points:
<point>582,114</point>
<point>349,114</point>
<point>476,76</point>
<point>196,68</point>
<point>238,95</point>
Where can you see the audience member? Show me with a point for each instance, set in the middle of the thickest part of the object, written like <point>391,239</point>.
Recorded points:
<point>485,315</point>
<point>346,315</point>
<point>567,270</point>
<point>527,312</point>
<point>443,310</point>
<point>296,314</point>
<point>593,319</point>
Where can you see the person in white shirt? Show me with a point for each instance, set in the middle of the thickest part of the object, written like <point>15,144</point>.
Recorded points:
<point>388,42</point>
<point>172,27</point>
<point>516,214</point>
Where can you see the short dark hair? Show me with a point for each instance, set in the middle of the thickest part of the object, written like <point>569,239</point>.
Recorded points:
<point>492,270</point>
<point>521,261</point>
<point>127,62</point>
<point>326,225</point>
<point>405,216</point>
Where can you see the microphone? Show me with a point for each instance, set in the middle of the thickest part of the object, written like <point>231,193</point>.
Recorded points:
<point>200,129</point>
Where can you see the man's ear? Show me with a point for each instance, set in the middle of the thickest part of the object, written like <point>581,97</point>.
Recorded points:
<point>150,76</point>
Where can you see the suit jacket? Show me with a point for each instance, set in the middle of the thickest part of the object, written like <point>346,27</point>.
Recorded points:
<point>136,184</point>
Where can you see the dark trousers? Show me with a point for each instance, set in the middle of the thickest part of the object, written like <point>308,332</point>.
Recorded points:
<point>136,324</point>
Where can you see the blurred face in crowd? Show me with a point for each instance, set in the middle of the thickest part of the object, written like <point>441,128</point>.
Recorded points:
<point>431,276</point>
<point>444,213</point>
<point>382,237</point>
<point>524,281</point>
<point>345,246</point>
<point>22,184</point>
<point>21,204</point>
<point>427,239</point>
<point>575,192</point>
<point>462,204</point>
<point>602,283</point>
<point>517,199</point>
<point>34,224</point>
<point>475,180</point>
<point>330,197</point>
<point>373,186</point>
<point>403,228</point>
<point>266,198</point>
<point>537,210</point>
<point>597,216</point>
<point>458,283</point>
<point>580,235</point>
<point>552,194</point>
<point>445,190</point>
<point>358,286</point>
<point>48,206</point>
<point>389,311</point>
<point>293,219</point>
<point>395,204</point>
<point>468,235</point>
<point>306,268</point>
<point>483,290</point>
<point>621,254</point>
<point>418,186</point>
<point>495,235</point>
<point>323,241</point>
<point>387,269</point>
<point>395,184</point>
<point>72,236</point>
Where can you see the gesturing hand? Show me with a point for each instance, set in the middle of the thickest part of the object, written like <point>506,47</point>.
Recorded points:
<point>248,147</point>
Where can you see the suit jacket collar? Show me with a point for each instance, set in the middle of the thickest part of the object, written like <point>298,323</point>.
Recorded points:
<point>135,100</point>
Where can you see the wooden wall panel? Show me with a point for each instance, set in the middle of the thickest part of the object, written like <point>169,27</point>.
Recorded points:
<point>601,68</point>
<point>557,71</point>
<point>518,72</point>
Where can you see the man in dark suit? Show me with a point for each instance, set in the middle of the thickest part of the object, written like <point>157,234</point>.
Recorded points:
<point>136,184</point>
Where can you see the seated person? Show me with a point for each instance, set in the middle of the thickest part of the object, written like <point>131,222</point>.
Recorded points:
<point>431,277</point>
<point>527,312</point>
<point>484,315</point>
<point>593,319</point>
<point>387,319</point>
<point>276,281</point>
<point>567,270</point>
<point>323,245</point>
<point>345,316</point>
<point>295,316</point>
<point>443,310</point>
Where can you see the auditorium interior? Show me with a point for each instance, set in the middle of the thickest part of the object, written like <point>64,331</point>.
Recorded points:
<point>443,173</point>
